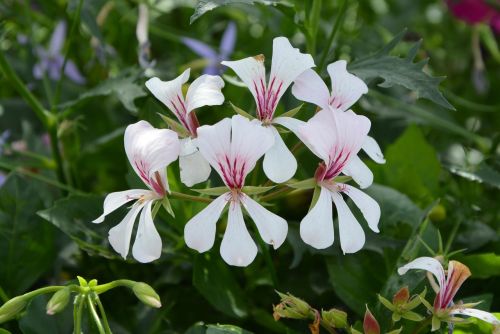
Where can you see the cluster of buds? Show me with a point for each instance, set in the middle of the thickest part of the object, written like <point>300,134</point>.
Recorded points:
<point>402,305</point>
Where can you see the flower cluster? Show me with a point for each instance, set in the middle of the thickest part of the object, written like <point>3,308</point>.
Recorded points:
<point>233,146</point>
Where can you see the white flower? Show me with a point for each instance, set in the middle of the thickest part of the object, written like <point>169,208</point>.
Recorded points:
<point>287,63</point>
<point>232,147</point>
<point>149,151</point>
<point>346,90</point>
<point>336,138</point>
<point>448,284</point>
<point>204,91</point>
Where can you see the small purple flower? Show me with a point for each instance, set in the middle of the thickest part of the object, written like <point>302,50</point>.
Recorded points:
<point>50,61</point>
<point>214,59</point>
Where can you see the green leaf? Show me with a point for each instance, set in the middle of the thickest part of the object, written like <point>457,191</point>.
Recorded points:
<point>216,191</point>
<point>241,112</point>
<point>204,6</point>
<point>255,190</point>
<point>27,243</point>
<point>292,112</point>
<point>474,325</point>
<point>304,184</point>
<point>174,125</point>
<point>400,71</point>
<point>73,215</point>
<point>215,281</point>
<point>225,329</point>
<point>412,167</point>
<point>482,265</point>
<point>356,278</point>
<point>123,86</point>
<point>481,173</point>
<point>37,321</point>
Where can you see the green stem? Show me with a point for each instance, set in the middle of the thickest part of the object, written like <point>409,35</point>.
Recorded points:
<point>269,261</point>
<point>313,24</point>
<point>277,193</point>
<point>178,195</point>
<point>3,295</point>
<point>111,285</point>
<point>103,314</point>
<point>333,32</point>
<point>74,25</point>
<point>15,81</point>
<point>452,236</point>
<point>77,314</point>
<point>94,315</point>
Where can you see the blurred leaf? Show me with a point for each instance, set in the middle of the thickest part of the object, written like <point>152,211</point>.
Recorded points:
<point>88,15</point>
<point>215,281</point>
<point>400,71</point>
<point>356,278</point>
<point>482,265</point>
<point>474,325</point>
<point>27,245</point>
<point>37,321</point>
<point>481,173</point>
<point>73,215</point>
<point>225,329</point>
<point>204,6</point>
<point>123,86</point>
<point>475,235</point>
<point>412,166</point>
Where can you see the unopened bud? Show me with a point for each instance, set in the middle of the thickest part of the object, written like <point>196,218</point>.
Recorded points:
<point>292,307</point>
<point>12,307</point>
<point>58,301</point>
<point>370,324</point>
<point>401,297</point>
<point>437,213</point>
<point>334,318</point>
<point>146,294</point>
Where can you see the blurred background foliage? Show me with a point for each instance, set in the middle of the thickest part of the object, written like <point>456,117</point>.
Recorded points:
<point>438,190</point>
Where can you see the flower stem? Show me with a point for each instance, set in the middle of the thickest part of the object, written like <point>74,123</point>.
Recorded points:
<point>312,26</point>
<point>333,32</point>
<point>94,315</point>
<point>77,314</point>
<point>452,236</point>
<point>111,285</point>
<point>107,329</point>
<point>178,195</point>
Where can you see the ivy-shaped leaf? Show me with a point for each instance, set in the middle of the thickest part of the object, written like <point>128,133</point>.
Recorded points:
<point>401,71</point>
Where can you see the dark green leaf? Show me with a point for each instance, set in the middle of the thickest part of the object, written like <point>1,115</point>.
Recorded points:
<point>215,281</point>
<point>225,329</point>
<point>37,321</point>
<point>27,247</point>
<point>481,173</point>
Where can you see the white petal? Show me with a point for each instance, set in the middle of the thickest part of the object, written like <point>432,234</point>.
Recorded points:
<point>482,315</point>
<point>371,147</point>
<point>194,168</point>
<point>168,91</point>
<point>346,87</point>
<point>205,91</point>
<point>359,172</point>
<point>279,163</point>
<point>151,150</point>
<point>237,247</point>
<point>290,123</point>
<point>114,200</point>
<point>426,263</point>
<point>287,63</point>
<point>119,236</point>
<point>252,72</point>
<point>147,245</point>
<point>352,236</point>
<point>272,228</point>
<point>309,87</point>
<point>367,205</point>
<point>316,228</point>
<point>199,232</point>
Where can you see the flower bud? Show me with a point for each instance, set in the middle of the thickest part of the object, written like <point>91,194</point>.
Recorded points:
<point>437,213</point>
<point>370,324</point>
<point>401,297</point>
<point>292,307</point>
<point>146,294</point>
<point>334,318</point>
<point>58,301</point>
<point>12,307</point>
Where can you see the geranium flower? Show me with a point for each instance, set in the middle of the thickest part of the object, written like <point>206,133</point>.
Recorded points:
<point>233,146</point>
<point>475,11</point>
<point>448,284</point>
<point>336,137</point>
<point>149,151</point>
<point>287,63</point>
<point>204,91</point>
<point>346,90</point>
<point>213,57</point>
<point>51,60</point>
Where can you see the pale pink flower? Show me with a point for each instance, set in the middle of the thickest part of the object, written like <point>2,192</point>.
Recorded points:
<point>149,151</point>
<point>232,147</point>
<point>287,63</point>
<point>346,90</point>
<point>336,138</point>
<point>204,91</point>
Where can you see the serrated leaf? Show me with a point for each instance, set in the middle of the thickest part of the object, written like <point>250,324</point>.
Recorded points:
<point>400,71</point>
<point>217,191</point>
<point>255,190</point>
<point>241,112</point>
<point>204,6</point>
<point>174,125</point>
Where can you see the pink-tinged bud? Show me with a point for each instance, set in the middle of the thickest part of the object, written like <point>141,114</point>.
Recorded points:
<point>58,301</point>
<point>146,294</point>
<point>370,324</point>
<point>401,297</point>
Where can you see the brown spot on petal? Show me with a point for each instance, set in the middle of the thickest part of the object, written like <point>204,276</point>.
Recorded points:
<point>260,58</point>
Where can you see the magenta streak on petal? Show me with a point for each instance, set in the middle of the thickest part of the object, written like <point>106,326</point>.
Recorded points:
<point>335,102</point>
<point>337,162</point>
<point>155,183</point>
<point>233,171</point>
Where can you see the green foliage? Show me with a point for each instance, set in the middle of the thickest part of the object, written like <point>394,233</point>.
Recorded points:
<point>482,265</point>
<point>481,173</point>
